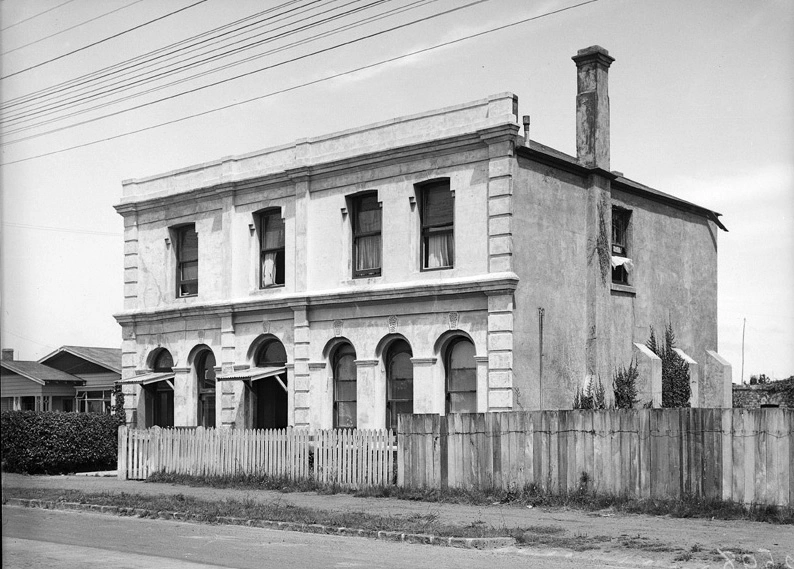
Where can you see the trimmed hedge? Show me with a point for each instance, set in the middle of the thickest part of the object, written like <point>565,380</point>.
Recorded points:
<point>58,443</point>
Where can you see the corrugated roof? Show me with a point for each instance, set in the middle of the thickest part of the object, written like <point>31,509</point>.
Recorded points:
<point>253,373</point>
<point>38,372</point>
<point>109,358</point>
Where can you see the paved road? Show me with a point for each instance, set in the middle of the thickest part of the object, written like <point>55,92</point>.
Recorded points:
<point>47,539</point>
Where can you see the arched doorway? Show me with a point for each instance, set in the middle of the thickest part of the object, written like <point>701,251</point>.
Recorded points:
<point>270,411</point>
<point>399,382</point>
<point>205,378</point>
<point>461,377</point>
<point>345,387</point>
<point>160,394</point>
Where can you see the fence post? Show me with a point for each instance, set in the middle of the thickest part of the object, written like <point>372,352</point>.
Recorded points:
<point>121,462</point>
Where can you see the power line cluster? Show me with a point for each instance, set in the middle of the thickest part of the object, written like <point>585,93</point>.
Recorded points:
<point>207,53</point>
<point>287,26</point>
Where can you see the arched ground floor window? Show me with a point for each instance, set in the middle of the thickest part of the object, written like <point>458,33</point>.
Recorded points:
<point>345,387</point>
<point>461,377</point>
<point>270,393</point>
<point>205,377</point>
<point>399,382</point>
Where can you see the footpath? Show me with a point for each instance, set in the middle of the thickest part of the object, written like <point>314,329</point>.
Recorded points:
<point>664,541</point>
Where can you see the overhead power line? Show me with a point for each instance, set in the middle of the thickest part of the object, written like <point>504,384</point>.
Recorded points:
<point>137,60</point>
<point>102,40</point>
<point>35,16</point>
<point>249,73</point>
<point>123,87</point>
<point>308,83</point>
<point>72,27</point>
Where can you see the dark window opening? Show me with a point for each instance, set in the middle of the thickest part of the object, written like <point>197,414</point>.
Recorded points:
<point>345,386</point>
<point>270,408</point>
<point>187,261</point>
<point>271,249</point>
<point>366,235</point>
<point>399,382</point>
<point>437,213</point>
<point>205,376</point>
<point>461,380</point>
<point>620,248</point>
<point>163,362</point>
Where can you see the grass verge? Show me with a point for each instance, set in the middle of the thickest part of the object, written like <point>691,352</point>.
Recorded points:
<point>276,510</point>
<point>690,507</point>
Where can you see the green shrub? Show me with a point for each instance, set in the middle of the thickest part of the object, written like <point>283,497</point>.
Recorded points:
<point>57,443</point>
<point>591,397</point>
<point>675,371</point>
<point>624,386</point>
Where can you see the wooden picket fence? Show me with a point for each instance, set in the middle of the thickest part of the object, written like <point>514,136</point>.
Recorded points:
<point>354,457</point>
<point>744,455</point>
<point>350,458</point>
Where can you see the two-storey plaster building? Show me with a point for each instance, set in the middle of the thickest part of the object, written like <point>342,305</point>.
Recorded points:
<point>435,263</point>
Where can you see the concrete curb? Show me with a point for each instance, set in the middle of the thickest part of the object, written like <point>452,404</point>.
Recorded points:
<point>416,538</point>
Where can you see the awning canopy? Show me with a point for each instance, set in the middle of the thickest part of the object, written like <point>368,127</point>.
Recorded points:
<point>148,378</point>
<point>252,374</point>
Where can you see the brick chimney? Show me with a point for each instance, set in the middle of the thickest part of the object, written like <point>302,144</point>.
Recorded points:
<point>7,355</point>
<point>592,106</point>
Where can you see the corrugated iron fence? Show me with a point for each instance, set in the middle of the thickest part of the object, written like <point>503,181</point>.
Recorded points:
<point>352,458</point>
<point>745,455</point>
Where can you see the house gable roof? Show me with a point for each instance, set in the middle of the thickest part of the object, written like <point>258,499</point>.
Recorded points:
<point>108,358</point>
<point>38,372</point>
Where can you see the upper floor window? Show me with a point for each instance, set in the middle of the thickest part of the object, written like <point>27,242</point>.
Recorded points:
<point>187,260</point>
<point>271,247</point>
<point>366,235</point>
<point>620,245</point>
<point>438,245</point>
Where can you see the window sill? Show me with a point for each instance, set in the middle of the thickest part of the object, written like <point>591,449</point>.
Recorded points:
<point>624,289</point>
<point>430,270</point>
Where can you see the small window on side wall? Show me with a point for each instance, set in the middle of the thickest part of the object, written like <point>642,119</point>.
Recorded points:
<point>366,235</point>
<point>621,263</point>
<point>187,260</point>
<point>271,249</point>
<point>437,213</point>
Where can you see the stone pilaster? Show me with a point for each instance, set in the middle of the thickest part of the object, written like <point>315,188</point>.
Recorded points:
<point>321,393</point>
<point>302,185</point>
<point>500,352</point>
<point>299,399</point>
<point>429,392</point>
<point>502,169</point>
<point>129,355</point>
<point>482,383</point>
<point>185,398</point>
<point>371,393</point>
<point>130,260</point>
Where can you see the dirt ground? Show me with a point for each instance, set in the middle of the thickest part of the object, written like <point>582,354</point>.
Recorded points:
<point>662,541</point>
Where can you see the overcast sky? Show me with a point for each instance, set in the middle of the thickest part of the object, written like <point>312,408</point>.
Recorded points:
<point>702,107</point>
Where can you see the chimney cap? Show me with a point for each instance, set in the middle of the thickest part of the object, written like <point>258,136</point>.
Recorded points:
<point>7,354</point>
<point>593,53</point>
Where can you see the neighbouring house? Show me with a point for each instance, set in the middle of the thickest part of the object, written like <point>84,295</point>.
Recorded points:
<point>72,378</point>
<point>436,263</point>
<point>768,394</point>
<point>99,368</point>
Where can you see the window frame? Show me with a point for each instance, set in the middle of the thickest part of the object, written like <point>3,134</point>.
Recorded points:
<point>448,372</point>
<point>355,207</point>
<point>261,225</point>
<point>619,243</point>
<point>427,229</point>
<point>343,350</point>
<point>396,349</point>
<point>179,234</point>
